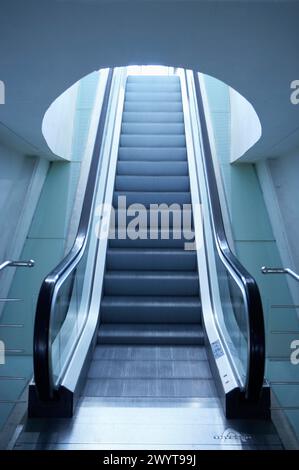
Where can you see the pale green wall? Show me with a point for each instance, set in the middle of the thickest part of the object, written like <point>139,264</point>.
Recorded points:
<point>256,246</point>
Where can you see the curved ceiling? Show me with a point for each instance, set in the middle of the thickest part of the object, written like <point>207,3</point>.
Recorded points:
<point>47,45</point>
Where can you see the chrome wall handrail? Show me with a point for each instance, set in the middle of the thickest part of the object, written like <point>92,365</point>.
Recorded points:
<point>17,264</point>
<point>288,271</point>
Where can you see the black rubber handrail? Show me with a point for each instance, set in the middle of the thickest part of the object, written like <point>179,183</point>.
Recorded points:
<point>255,320</point>
<point>43,375</point>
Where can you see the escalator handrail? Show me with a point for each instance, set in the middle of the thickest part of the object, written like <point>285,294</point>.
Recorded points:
<point>255,321</point>
<point>47,295</point>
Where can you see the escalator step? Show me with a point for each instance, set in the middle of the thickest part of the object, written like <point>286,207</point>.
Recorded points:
<point>152,140</point>
<point>151,283</point>
<point>147,154</point>
<point>159,87</point>
<point>152,183</point>
<point>152,197</point>
<point>157,334</point>
<point>149,369</point>
<point>150,310</point>
<point>172,219</point>
<point>153,117</point>
<point>113,352</point>
<point>154,79</point>
<point>148,96</point>
<point>158,388</point>
<point>152,129</point>
<point>147,168</point>
<point>153,106</point>
<point>149,259</point>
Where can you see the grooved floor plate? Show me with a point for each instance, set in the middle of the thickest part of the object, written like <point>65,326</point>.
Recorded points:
<point>127,423</point>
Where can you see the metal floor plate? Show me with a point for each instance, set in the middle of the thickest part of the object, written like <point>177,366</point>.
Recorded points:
<point>123,423</point>
<point>148,397</point>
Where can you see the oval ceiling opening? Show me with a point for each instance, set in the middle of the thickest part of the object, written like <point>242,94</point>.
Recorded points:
<point>58,126</point>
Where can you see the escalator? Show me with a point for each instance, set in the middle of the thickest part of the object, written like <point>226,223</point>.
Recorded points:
<point>158,321</point>
<point>151,308</point>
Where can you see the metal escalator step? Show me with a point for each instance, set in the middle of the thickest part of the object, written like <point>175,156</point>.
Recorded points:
<point>153,140</point>
<point>149,259</point>
<point>153,79</point>
<point>147,168</point>
<point>151,283</point>
<point>158,388</point>
<point>153,106</point>
<point>151,334</point>
<point>152,183</point>
<point>153,87</point>
<point>152,129</point>
<point>162,219</point>
<point>144,96</point>
<point>150,310</point>
<point>153,117</point>
<point>160,243</point>
<point>152,197</point>
<point>147,154</point>
<point>149,369</point>
<point>131,352</point>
